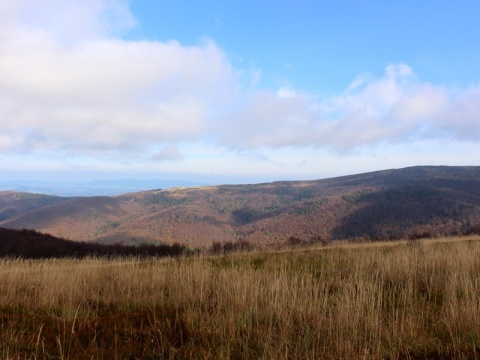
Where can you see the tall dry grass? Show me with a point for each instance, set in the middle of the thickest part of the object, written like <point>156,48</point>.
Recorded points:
<point>394,300</point>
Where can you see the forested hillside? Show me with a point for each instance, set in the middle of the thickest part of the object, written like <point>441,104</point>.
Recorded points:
<point>418,201</point>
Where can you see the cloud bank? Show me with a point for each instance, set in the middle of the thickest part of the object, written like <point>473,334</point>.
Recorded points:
<point>393,108</point>
<point>91,91</point>
<point>71,84</point>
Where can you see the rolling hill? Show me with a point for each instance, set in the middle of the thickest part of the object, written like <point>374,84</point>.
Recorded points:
<point>13,204</point>
<point>384,204</point>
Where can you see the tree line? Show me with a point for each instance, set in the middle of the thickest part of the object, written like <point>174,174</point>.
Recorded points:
<point>30,244</point>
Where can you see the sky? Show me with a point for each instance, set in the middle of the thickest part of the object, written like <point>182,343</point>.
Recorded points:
<point>238,91</point>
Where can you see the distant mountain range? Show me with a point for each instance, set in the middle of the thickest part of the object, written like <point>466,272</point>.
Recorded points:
<point>385,204</point>
<point>92,188</point>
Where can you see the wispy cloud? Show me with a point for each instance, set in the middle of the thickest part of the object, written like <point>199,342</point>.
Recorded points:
<point>393,108</point>
<point>169,152</point>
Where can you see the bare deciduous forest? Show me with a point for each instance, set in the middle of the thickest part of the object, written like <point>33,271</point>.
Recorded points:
<point>389,204</point>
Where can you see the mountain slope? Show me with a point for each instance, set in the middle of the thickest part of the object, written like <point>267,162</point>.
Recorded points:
<point>14,204</point>
<point>382,204</point>
<point>79,219</point>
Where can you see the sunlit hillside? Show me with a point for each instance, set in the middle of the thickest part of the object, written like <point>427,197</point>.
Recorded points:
<point>434,201</point>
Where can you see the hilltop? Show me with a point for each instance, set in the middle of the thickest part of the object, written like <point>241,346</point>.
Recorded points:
<point>382,205</point>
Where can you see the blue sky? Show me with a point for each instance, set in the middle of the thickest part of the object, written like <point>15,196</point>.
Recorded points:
<point>239,91</point>
<point>320,46</point>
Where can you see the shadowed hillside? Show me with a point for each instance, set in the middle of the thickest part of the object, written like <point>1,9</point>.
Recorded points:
<point>383,204</point>
<point>29,244</point>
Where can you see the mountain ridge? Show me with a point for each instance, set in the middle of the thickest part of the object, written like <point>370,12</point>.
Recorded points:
<point>438,200</point>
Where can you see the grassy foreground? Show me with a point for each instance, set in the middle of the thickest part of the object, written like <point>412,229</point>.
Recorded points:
<point>393,300</point>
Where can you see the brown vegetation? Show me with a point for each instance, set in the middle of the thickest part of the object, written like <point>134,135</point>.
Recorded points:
<point>381,205</point>
<point>395,300</point>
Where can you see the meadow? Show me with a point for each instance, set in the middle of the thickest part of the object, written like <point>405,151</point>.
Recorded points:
<point>392,300</point>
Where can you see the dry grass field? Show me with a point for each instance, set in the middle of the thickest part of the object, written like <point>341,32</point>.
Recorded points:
<point>398,300</point>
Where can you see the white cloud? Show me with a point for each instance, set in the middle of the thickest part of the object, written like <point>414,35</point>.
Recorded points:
<point>84,94</point>
<point>394,108</point>
<point>461,119</point>
<point>67,20</point>
<point>71,88</point>
<point>169,152</point>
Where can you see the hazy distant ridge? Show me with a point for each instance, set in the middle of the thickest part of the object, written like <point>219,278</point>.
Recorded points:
<point>92,188</point>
